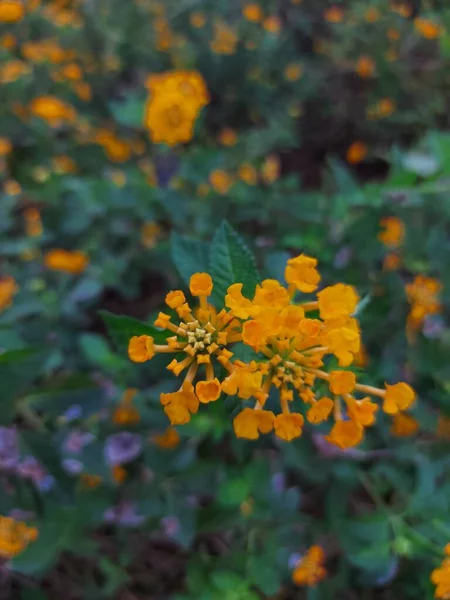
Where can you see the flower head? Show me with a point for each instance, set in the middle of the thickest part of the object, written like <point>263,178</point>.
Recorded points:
<point>123,447</point>
<point>309,569</point>
<point>73,262</point>
<point>15,537</point>
<point>175,102</point>
<point>441,577</point>
<point>8,288</point>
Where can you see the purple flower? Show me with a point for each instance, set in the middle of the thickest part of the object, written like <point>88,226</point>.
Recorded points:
<point>72,466</point>
<point>30,468</point>
<point>123,514</point>
<point>77,440</point>
<point>170,525</point>
<point>433,326</point>
<point>294,560</point>
<point>343,257</point>
<point>73,413</point>
<point>9,448</point>
<point>278,483</point>
<point>122,448</point>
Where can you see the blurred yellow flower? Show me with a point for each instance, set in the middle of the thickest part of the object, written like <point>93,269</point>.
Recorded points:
<point>73,262</point>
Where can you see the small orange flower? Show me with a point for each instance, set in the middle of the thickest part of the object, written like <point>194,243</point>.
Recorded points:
<point>15,537</point>
<point>342,382</point>
<point>118,474</point>
<point>90,482</point>
<point>320,410</point>
<point>427,28</point>
<point>125,413</point>
<point>74,262</point>
<point>248,174</point>
<point>169,439</point>
<point>441,577</point>
<point>253,12</point>
<point>5,146</point>
<point>392,261</point>
<point>197,19</point>
<point>250,423</point>
<point>141,348</point>
<point>270,171</point>
<point>53,110</point>
<point>201,284</point>
<point>356,153</point>
<point>393,232</point>
<point>293,71</point>
<point>11,11</point>
<point>404,425</point>
<point>399,396</point>
<point>346,434</point>
<point>334,14</point>
<point>220,181</point>
<point>372,15</point>
<point>227,137</point>
<point>272,24</point>
<point>288,426</point>
<point>310,570</point>
<point>8,287</point>
<point>208,391</point>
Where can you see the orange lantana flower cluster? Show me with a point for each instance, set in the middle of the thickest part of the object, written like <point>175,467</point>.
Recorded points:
<point>441,577</point>
<point>309,570</point>
<point>176,98</point>
<point>423,296</point>
<point>15,537</point>
<point>301,351</point>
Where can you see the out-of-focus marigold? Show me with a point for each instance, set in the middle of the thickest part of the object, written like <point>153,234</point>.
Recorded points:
<point>176,98</point>
<point>427,28</point>
<point>310,570</point>
<point>53,110</point>
<point>8,287</point>
<point>11,11</point>
<point>441,577</point>
<point>423,296</point>
<point>73,262</point>
<point>393,232</point>
<point>291,349</point>
<point>15,537</point>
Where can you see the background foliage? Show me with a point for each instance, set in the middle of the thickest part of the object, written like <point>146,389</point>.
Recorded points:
<point>208,516</point>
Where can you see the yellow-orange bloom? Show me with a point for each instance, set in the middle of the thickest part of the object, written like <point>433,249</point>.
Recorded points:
<point>404,425</point>
<point>288,426</point>
<point>301,272</point>
<point>15,537</point>
<point>428,28</point>
<point>320,410</point>
<point>393,232</point>
<point>11,11</point>
<point>342,382</point>
<point>141,348</point>
<point>169,439</point>
<point>201,284</point>
<point>250,423</point>
<point>74,262</point>
<point>125,413</point>
<point>356,153</point>
<point>220,181</point>
<point>208,391</point>
<point>399,396</point>
<point>441,577</point>
<point>53,110</point>
<point>8,287</point>
<point>253,12</point>
<point>293,71</point>
<point>309,571</point>
<point>365,67</point>
<point>337,301</point>
<point>346,434</point>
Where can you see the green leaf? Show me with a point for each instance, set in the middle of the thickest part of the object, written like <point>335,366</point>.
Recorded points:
<point>231,262</point>
<point>122,328</point>
<point>189,255</point>
<point>129,112</point>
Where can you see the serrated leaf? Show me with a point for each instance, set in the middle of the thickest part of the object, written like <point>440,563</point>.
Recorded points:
<point>122,328</point>
<point>231,262</point>
<point>189,255</point>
